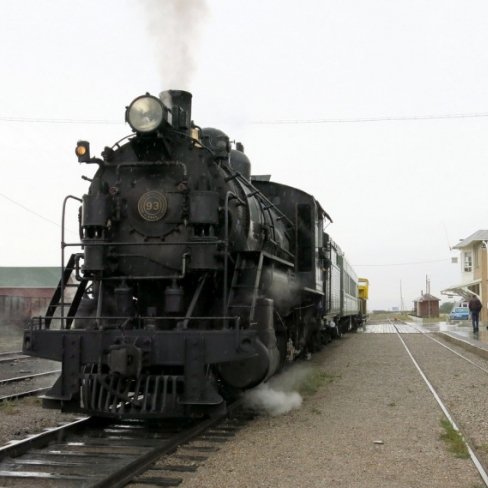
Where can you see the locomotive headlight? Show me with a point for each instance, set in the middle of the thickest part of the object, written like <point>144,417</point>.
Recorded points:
<point>145,114</point>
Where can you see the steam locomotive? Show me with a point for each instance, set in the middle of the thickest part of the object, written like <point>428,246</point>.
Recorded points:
<point>196,280</point>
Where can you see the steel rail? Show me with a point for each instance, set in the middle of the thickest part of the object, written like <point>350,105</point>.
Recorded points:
<point>28,377</point>
<point>481,470</point>
<point>427,334</point>
<point>140,465</point>
<point>14,358</point>
<point>16,448</point>
<point>10,353</point>
<point>122,452</point>
<point>22,394</point>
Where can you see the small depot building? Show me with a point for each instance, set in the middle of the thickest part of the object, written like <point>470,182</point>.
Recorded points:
<point>26,292</point>
<point>427,306</point>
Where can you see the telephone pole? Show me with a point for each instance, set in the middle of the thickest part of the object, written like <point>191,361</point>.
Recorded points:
<point>401,298</point>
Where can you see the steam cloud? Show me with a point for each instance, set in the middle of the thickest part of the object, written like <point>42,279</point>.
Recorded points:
<point>175,26</point>
<point>273,402</point>
<point>278,396</point>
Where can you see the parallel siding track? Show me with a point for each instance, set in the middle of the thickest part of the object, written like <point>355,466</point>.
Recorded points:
<point>401,329</point>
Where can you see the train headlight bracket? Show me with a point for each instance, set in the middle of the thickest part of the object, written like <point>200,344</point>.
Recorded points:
<point>145,114</point>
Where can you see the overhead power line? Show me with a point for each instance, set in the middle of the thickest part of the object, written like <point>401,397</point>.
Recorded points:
<point>27,209</point>
<point>402,264</point>
<point>33,212</point>
<point>46,120</point>
<point>332,120</point>
<point>357,120</point>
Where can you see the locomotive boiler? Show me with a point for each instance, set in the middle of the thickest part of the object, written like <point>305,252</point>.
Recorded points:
<point>194,281</point>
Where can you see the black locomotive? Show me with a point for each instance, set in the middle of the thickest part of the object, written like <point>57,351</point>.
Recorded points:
<point>196,280</point>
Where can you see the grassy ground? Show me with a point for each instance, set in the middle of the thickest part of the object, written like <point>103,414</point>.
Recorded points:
<point>454,441</point>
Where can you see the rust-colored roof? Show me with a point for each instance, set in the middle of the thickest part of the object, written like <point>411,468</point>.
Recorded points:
<point>427,297</point>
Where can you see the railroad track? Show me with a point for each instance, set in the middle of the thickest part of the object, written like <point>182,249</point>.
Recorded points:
<point>25,377</point>
<point>22,394</point>
<point>440,384</point>
<point>28,389</point>
<point>93,452</point>
<point>6,357</point>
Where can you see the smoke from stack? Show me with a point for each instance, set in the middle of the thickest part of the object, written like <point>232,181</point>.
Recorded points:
<point>175,26</point>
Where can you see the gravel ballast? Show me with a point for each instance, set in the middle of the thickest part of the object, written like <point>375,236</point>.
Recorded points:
<point>24,417</point>
<point>373,424</point>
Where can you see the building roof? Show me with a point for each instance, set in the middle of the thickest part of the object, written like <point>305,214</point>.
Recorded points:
<point>427,297</point>
<point>30,277</point>
<point>479,235</point>
<point>462,289</point>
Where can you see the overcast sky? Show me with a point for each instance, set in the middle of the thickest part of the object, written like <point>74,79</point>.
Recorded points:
<point>301,84</point>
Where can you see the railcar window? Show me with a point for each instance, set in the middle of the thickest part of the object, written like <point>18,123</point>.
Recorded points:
<point>353,288</point>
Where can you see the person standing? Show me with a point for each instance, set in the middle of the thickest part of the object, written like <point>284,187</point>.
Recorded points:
<point>475,308</point>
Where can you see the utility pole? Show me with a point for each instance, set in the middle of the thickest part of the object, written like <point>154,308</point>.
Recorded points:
<point>401,298</point>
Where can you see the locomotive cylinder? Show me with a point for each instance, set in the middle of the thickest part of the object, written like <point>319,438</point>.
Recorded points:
<point>265,362</point>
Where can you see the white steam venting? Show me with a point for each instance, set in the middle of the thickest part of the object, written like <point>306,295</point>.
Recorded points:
<point>279,395</point>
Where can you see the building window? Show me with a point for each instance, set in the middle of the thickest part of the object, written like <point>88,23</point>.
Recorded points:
<point>468,262</point>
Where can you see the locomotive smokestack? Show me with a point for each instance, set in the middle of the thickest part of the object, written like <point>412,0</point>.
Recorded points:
<point>179,103</point>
